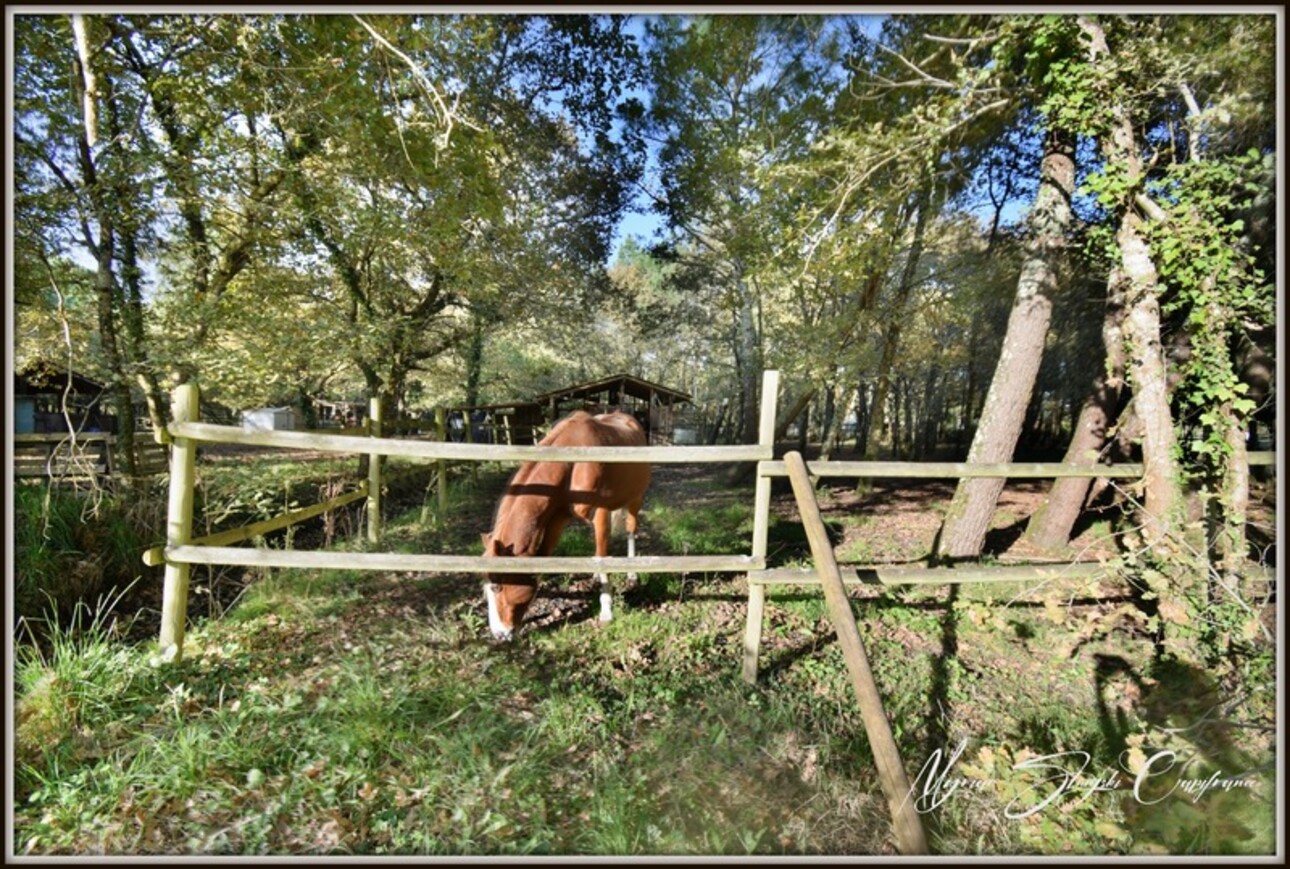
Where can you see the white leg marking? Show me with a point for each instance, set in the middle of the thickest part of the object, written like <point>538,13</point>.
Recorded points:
<point>631,551</point>
<point>500,631</point>
<point>606,613</point>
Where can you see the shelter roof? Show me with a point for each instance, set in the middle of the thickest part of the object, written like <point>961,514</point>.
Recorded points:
<point>626,383</point>
<point>41,377</point>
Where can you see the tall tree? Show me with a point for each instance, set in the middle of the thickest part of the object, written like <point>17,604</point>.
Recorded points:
<point>731,96</point>
<point>968,519</point>
<point>77,141</point>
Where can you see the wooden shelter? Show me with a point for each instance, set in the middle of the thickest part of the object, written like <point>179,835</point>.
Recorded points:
<point>38,393</point>
<point>63,431</point>
<point>525,422</point>
<point>515,422</point>
<point>652,404</point>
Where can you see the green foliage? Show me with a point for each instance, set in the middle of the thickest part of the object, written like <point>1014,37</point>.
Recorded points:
<point>1214,283</point>
<point>71,548</point>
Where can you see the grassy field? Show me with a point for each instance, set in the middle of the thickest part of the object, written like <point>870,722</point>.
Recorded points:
<point>355,713</point>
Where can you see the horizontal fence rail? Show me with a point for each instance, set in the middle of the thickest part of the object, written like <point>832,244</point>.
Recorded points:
<point>207,432</point>
<point>84,456</point>
<point>758,583</point>
<point>885,575</point>
<point>397,561</point>
<point>157,555</point>
<point>955,470</point>
<point>182,550</point>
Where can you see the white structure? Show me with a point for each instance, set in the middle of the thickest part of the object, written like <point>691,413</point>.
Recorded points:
<point>269,419</point>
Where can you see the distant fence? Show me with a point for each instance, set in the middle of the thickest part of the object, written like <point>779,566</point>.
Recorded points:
<point>86,457</point>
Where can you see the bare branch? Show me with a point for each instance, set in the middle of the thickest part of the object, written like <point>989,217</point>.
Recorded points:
<point>926,77</point>
<point>448,117</point>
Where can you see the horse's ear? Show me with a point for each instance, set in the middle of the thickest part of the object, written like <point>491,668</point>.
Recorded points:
<point>487,540</point>
<point>503,548</point>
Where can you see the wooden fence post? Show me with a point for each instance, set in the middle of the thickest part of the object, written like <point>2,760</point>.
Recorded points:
<point>179,525</point>
<point>891,772</point>
<point>761,524</point>
<point>441,427</point>
<point>374,477</point>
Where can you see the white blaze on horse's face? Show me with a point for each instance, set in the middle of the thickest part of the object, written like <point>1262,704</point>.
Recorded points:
<point>500,630</point>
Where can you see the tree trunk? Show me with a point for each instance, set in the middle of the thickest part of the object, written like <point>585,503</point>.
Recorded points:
<point>891,334</point>
<point>748,365</point>
<point>750,369</point>
<point>907,387</point>
<point>863,414</point>
<point>826,423</point>
<point>932,402</point>
<point>1050,527</point>
<point>802,404</point>
<point>86,85</point>
<point>1145,362</point>
<point>968,519</point>
<point>970,392</point>
<point>474,360</point>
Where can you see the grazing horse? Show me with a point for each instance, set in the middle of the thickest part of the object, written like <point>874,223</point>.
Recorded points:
<point>543,496</point>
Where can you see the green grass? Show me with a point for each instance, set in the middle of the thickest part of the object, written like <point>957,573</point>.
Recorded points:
<point>70,549</point>
<point>343,712</point>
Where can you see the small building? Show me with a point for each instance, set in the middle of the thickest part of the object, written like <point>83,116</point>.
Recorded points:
<point>653,405</point>
<point>39,390</point>
<point>525,422</point>
<point>270,419</point>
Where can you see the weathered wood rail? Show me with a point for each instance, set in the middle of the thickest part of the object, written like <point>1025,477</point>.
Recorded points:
<point>891,770</point>
<point>85,457</point>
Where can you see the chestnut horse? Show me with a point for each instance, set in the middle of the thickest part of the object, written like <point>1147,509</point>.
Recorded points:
<point>543,496</point>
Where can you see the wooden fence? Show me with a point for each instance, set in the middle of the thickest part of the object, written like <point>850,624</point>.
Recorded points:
<point>87,457</point>
<point>182,550</point>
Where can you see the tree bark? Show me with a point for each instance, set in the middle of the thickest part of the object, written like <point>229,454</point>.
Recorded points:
<point>1145,361</point>
<point>968,519</point>
<point>106,287</point>
<point>1050,527</point>
<point>803,403</point>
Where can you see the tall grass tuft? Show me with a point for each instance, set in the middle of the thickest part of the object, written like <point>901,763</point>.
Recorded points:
<point>73,682</point>
<point>70,550</point>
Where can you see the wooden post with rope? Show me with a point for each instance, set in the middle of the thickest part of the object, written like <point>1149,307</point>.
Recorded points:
<point>891,772</point>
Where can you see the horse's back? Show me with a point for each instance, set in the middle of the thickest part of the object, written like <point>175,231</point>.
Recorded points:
<point>581,429</point>
<point>609,484</point>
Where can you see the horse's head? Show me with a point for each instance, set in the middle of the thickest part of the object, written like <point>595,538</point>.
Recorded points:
<point>509,595</point>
